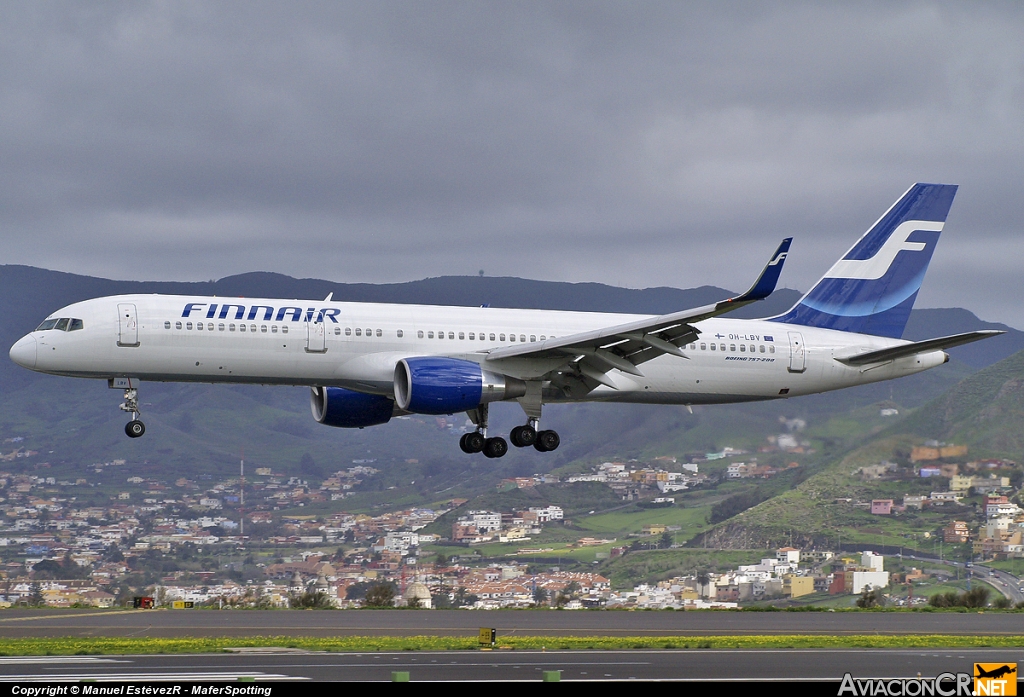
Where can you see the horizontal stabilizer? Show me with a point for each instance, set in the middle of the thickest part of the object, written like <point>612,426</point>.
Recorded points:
<point>903,350</point>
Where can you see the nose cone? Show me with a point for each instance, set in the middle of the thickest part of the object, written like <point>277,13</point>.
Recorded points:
<point>24,352</point>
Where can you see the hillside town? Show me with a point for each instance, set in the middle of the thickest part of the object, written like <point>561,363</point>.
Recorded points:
<point>110,537</point>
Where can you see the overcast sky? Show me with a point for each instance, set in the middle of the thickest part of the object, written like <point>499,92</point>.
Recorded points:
<point>637,144</point>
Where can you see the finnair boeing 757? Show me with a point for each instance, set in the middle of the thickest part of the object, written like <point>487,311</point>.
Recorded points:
<point>367,362</point>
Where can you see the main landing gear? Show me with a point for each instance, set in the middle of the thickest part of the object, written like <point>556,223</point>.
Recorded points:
<point>135,427</point>
<point>521,437</point>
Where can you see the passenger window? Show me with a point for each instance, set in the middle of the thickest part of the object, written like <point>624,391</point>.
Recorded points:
<point>359,332</point>
<point>273,329</point>
<point>348,331</point>
<point>532,338</point>
<point>209,326</point>
<point>263,328</point>
<point>177,325</point>
<point>337,331</point>
<point>511,337</point>
<point>199,326</point>
<point>451,335</point>
<point>400,333</point>
<point>369,332</point>
<point>419,333</point>
<point>167,325</point>
<point>380,333</point>
<point>220,326</point>
<point>284,328</point>
<point>231,327</point>
<point>492,337</point>
<point>771,349</point>
<point>522,337</point>
<point>501,337</point>
<point>732,347</point>
<point>252,328</point>
<point>703,347</point>
<point>188,325</point>
<point>743,348</point>
<point>241,327</point>
<point>712,347</point>
<point>542,337</point>
<point>430,335</point>
<point>461,336</point>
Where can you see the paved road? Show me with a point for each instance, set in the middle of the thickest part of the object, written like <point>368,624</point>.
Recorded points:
<point>178,623</point>
<point>693,665</point>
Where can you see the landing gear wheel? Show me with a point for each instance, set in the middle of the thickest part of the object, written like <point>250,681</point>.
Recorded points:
<point>472,442</point>
<point>495,447</point>
<point>547,441</point>
<point>475,442</point>
<point>134,429</point>
<point>523,436</point>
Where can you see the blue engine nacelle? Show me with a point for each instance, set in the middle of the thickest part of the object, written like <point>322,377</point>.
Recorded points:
<point>336,406</point>
<point>433,385</point>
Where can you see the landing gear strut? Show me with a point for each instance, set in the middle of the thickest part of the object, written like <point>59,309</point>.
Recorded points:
<point>135,427</point>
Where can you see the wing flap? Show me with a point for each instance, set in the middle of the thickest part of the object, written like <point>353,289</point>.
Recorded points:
<point>911,349</point>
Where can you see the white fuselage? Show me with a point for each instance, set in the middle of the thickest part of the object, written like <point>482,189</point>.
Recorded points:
<point>357,345</point>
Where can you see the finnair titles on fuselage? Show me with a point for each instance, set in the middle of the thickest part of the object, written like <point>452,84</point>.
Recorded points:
<point>366,362</point>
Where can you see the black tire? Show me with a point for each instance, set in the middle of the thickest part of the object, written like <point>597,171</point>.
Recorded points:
<point>474,442</point>
<point>523,436</point>
<point>462,443</point>
<point>495,447</point>
<point>134,429</point>
<point>547,441</point>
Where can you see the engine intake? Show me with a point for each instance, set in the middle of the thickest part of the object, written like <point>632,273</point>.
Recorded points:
<point>431,385</point>
<point>336,406</point>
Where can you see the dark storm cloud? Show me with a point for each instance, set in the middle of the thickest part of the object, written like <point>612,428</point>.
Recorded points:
<point>637,144</point>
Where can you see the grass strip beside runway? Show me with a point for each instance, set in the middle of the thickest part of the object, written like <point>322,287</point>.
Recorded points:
<point>72,646</point>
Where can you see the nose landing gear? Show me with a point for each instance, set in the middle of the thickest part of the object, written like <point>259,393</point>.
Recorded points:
<point>134,428</point>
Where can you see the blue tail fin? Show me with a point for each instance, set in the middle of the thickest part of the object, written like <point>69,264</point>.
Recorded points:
<point>872,289</point>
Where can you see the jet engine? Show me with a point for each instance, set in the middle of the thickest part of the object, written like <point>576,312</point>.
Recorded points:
<point>432,385</point>
<point>336,406</point>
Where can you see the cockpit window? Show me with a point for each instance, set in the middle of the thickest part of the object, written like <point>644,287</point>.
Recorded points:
<point>64,324</point>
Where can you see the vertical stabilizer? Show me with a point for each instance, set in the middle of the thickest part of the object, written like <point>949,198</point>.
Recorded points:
<point>872,289</point>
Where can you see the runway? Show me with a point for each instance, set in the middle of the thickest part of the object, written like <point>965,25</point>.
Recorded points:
<point>526,666</point>
<point>325,623</point>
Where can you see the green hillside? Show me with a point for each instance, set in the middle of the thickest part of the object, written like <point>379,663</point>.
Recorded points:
<point>984,411</point>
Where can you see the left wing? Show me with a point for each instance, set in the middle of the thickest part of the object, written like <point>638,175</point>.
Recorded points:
<point>625,346</point>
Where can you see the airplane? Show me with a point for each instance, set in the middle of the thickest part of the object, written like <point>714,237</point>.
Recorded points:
<point>368,362</point>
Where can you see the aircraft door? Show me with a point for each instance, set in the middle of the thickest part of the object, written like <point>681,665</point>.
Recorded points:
<point>316,337</point>
<point>127,325</point>
<point>797,353</point>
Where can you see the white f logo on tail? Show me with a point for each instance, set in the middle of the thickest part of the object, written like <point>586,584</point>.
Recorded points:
<point>874,268</point>
<point>779,258</point>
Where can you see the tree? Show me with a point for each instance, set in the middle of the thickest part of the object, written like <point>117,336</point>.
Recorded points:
<point>703,579</point>
<point>540,596</point>
<point>665,541</point>
<point>870,598</point>
<point>380,595</point>
<point>312,600</point>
